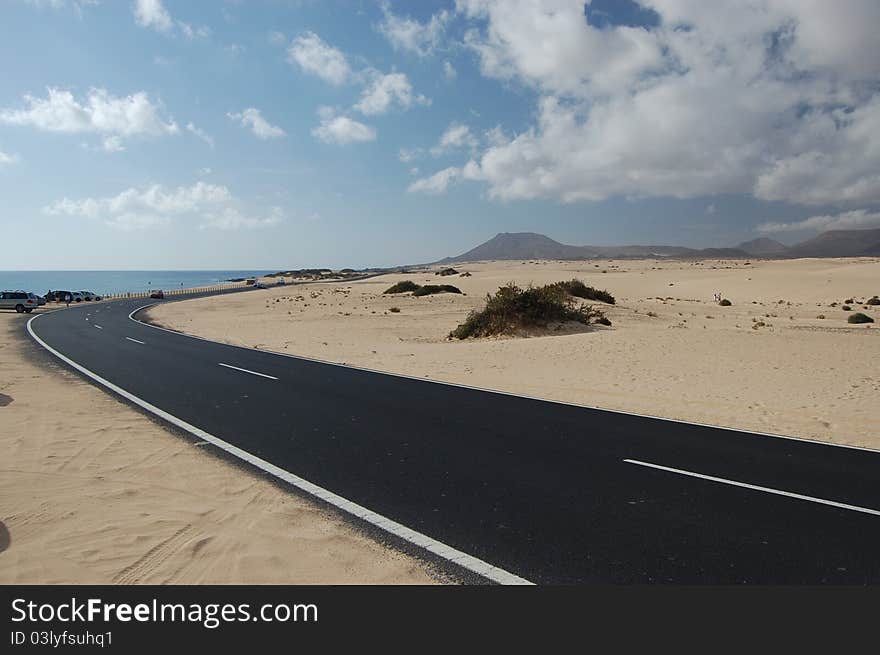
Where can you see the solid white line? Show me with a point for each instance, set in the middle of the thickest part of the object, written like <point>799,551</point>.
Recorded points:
<point>244,370</point>
<point>136,341</point>
<point>437,548</point>
<point>499,392</point>
<point>97,326</point>
<point>769,490</point>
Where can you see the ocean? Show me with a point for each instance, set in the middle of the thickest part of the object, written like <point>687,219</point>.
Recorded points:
<point>116,282</point>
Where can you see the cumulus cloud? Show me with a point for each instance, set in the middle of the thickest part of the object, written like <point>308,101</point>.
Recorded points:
<point>778,99</point>
<point>411,35</point>
<point>6,158</point>
<point>262,129</point>
<point>316,57</point>
<point>341,130</point>
<point>77,5</point>
<point>199,132</point>
<point>152,14</point>
<point>456,136</point>
<point>212,206</point>
<point>856,219</point>
<point>386,90</point>
<point>114,118</point>
<point>437,183</point>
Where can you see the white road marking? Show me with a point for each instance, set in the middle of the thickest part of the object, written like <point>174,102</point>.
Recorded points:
<point>498,392</point>
<point>97,326</point>
<point>769,490</point>
<point>438,548</point>
<point>244,370</point>
<point>136,341</point>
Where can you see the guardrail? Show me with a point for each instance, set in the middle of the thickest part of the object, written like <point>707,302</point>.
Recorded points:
<point>178,292</point>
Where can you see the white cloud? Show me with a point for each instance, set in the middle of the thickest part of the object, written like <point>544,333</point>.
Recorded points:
<point>407,155</point>
<point>411,35</point>
<point>316,57</point>
<point>251,117</point>
<point>232,219</point>
<point>386,90</point>
<point>199,132</point>
<point>449,71</point>
<point>152,13</point>
<point>856,219</point>
<point>437,183</point>
<point>341,130</point>
<point>211,206</point>
<point>455,136</point>
<point>778,99</point>
<point>114,118</point>
<point>6,158</point>
<point>277,38</point>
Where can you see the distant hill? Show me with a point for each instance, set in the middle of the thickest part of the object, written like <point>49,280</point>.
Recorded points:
<point>763,247</point>
<point>839,243</point>
<point>530,245</point>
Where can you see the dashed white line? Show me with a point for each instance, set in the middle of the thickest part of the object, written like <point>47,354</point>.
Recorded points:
<point>136,341</point>
<point>97,326</point>
<point>769,490</point>
<point>244,370</point>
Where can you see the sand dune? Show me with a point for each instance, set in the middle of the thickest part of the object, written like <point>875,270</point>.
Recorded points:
<point>766,363</point>
<point>93,492</point>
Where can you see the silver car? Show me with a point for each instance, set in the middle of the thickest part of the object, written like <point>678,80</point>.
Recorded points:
<point>20,301</point>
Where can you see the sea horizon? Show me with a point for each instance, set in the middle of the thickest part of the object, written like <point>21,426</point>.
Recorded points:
<point>117,281</point>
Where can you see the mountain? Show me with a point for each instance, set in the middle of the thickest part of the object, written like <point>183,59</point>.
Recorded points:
<point>529,245</point>
<point>522,245</point>
<point>763,247</point>
<point>839,243</point>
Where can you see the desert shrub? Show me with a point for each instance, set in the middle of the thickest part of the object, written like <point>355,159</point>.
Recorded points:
<point>403,287</point>
<point>578,289</point>
<point>725,302</point>
<point>394,310</point>
<point>873,301</point>
<point>465,274</point>
<point>821,316</point>
<point>430,289</point>
<point>858,317</point>
<point>849,301</point>
<point>447,271</point>
<point>846,308</point>
<point>513,307</point>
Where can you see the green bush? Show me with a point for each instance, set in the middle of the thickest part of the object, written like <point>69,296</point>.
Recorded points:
<point>403,287</point>
<point>873,301</point>
<point>447,271</point>
<point>858,317</point>
<point>725,302</point>
<point>846,308</point>
<point>430,289</point>
<point>580,290</point>
<point>512,307</point>
<point>394,310</point>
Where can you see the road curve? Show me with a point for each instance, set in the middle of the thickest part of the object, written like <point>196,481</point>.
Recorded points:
<point>514,489</point>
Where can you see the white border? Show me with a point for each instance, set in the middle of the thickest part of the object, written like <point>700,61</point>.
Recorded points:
<point>814,442</point>
<point>437,548</point>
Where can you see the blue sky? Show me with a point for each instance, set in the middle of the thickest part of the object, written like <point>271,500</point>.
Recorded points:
<point>172,134</point>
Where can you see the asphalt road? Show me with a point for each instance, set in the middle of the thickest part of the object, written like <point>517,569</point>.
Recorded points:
<point>549,492</point>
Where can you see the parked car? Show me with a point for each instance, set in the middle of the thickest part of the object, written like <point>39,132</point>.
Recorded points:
<point>40,300</point>
<point>260,285</point>
<point>57,296</point>
<point>20,301</point>
<point>90,295</point>
<point>280,283</point>
<point>158,293</point>
<point>76,296</point>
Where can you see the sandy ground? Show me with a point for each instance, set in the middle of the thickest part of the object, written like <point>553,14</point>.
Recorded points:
<point>93,492</point>
<point>766,363</point>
